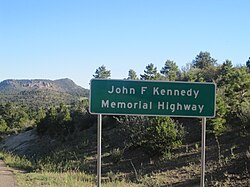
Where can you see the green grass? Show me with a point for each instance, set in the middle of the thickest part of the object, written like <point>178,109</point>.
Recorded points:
<point>36,177</point>
<point>16,161</point>
<point>66,179</point>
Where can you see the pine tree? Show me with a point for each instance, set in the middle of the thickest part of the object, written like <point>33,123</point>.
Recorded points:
<point>102,73</point>
<point>203,60</point>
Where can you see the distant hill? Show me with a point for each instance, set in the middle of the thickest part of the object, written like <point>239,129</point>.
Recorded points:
<point>41,92</point>
<point>61,85</point>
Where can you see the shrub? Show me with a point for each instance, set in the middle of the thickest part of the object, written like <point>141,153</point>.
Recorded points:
<point>3,125</point>
<point>116,155</point>
<point>133,129</point>
<point>217,125</point>
<point>156,135</point>
<point>163,135</point>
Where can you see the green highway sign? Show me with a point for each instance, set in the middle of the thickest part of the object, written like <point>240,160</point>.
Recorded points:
<point>154,98</point>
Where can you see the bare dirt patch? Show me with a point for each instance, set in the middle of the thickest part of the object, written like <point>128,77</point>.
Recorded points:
<point>6,176</point>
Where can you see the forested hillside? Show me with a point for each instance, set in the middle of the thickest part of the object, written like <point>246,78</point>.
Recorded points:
<point>41,93</point>
<point>147,151</point>
<point>24,102</point>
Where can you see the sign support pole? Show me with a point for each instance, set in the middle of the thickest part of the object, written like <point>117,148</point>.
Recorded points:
<point>99,149</point>
<point>203,145</point>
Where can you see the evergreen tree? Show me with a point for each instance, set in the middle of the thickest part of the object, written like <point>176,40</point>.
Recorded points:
<point>63,114</point>
<point>162,136</point>
<point>40,114</point>
<point>3,125</point>
<point>132,75</point>
<point>10,115</point>
<point>218,123</point>
<point>150,73</point>
<point>102,73</point>
<point>170,70</point>
<point>225,73</point>
<point>203,60</point>
<point>237,92</point>
<point>248,63</point>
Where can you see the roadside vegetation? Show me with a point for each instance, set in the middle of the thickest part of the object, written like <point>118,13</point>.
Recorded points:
<point>139,150</point>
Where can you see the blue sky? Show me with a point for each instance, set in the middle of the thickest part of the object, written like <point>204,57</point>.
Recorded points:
<point>54,39</point>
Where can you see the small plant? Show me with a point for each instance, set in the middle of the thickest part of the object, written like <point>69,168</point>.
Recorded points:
<point>232,151</point>
<point>116,155</point>
<point>150,181</point>
<point>196,146</point>
<point>186,148</point>
<point>85,143</point>
<point>248,153</point>
<point>111,175</point>
<point>167,155</point>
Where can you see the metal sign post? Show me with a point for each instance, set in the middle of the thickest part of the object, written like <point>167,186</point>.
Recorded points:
<point>203,151</point>
<point>99,150</point>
